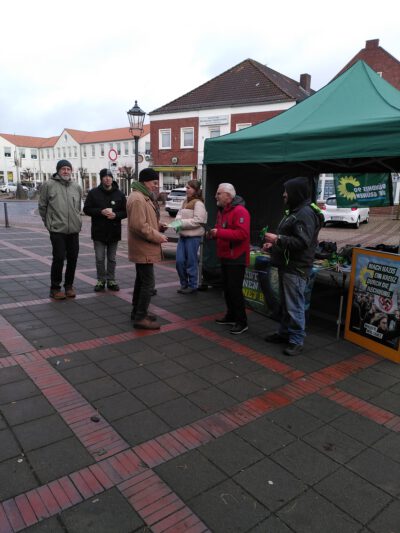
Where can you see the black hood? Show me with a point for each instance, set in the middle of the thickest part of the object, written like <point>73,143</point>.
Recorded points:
<point>298,191</point>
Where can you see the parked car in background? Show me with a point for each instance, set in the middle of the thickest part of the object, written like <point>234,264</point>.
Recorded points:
<point>175,200</point>
<point>345,215</point>
<point>12,188</point>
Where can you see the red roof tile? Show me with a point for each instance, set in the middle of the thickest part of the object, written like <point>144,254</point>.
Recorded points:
<point>247,83</point>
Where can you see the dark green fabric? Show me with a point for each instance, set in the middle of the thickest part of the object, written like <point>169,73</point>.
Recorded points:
<point>356,115</point>
<point>137,186</point>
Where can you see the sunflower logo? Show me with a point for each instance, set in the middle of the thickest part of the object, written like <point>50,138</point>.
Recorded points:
<point>346,187</point>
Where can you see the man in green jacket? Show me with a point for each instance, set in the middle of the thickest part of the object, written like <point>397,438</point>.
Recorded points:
<point>60,206</point>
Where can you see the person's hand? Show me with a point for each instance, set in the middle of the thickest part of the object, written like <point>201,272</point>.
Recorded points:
<point>267,246</point>
<point>164,238</point>
<point>270,238</point>
<point>176,224</point>
<point>163,227</point>
<point>111,215</point>
<point>213,233</point>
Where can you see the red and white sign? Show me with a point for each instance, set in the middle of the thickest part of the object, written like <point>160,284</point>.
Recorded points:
<point>112,154</point>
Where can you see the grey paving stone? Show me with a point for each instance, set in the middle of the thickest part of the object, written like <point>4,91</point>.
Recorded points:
<point>265,435</point>
<point>388,520</point>
<point>99,388</point>
<point>187,383</point>
<point>190,474</point>
<point>9,447</point>
<point>215,374</point>
<point>137,377</point>
<point>147,356</point>
<point>334,444</point>
<point>80,374</point>
<point>50,525</point>
<point>165,369</point>
<point>354,495</point>
<point>192,361</point>
<point>11,374</point>
<point>3,424</point>
<point>240,388</point>
<point>320,407</point>
<point>19,390</point>
<point>116,364</point>
<point>228,508</point>
<point>271,525</point>
<point>375,377</point>
<point>118,406</point>
<point>359,388</point>
<point>270,484</point>
<point>69,361</point>
<point>377,469</point>
<point>389,445</point>
<point>40,432</point>
<point>304,462</point>
<point>25,410</point>
<point>389,401</point>
<point>211,400</point>
<point>360,428</point>
<point>155,393</point>
<point>178,412</point>
<point>15,478</point>
<point>295,420</point>
<point>107,512</point>
<point>231,453</point>
<point>241,365</point>
<point>58,459</point>
<point>104,352</point>
<point>311,513</point>
<point>139,427</point>
<point>266,379</point>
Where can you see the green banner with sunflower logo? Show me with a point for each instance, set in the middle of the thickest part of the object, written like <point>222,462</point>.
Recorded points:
<point>363,190</point>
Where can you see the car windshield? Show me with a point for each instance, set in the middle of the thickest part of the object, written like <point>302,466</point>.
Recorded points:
<point>331,201</point>
<point>178,193</point>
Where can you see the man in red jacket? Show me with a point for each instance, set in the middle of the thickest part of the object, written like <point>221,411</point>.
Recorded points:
<point>232,233</point>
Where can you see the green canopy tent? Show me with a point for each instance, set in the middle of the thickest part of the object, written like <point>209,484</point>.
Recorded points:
<point>350,125</point>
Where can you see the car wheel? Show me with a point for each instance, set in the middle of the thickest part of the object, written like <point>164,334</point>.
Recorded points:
<point>366,220</point>
<point>357,224</point>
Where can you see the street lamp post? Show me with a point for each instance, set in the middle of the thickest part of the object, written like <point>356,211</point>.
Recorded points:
<point>136,119</point>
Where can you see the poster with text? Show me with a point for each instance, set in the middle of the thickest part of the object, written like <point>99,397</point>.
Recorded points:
<point>373,307</point>
<point>363,190</point>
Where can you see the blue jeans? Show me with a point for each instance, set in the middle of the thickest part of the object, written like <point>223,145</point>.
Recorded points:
<point>293,321</point>
<point>187,262</point>
<point>100,249</point>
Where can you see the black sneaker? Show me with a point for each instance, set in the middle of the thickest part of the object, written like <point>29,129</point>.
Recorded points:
<point>293,349</point>
<point>100,286</point>
<point>238,329</point>
<point>112,285</point>
<point>225,321</point>
<point>275,338</point>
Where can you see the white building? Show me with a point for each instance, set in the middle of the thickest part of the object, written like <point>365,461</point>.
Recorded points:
<point>34,159</point>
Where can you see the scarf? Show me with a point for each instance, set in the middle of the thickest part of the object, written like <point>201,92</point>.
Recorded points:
<point>138,186</point>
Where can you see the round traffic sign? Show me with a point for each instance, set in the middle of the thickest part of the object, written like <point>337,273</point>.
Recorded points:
<point>112,154</point>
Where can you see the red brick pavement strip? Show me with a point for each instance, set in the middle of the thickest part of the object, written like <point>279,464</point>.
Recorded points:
<point>163,510</point>
<point>362,407</point>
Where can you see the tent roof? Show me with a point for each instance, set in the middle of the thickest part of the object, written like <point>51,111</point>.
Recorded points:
<point>355,116</point>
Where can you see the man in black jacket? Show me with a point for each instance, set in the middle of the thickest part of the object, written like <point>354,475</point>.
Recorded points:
<point>292,251</point>
<point>106,204</point>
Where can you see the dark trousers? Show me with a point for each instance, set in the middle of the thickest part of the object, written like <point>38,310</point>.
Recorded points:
<point>65,246</point>
<point>232,282</point>
<point>143,289</point>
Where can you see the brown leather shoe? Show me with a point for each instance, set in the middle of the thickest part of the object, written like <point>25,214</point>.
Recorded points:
<point>70,292</point>
<point>146,323</point>
<point>56,294</point>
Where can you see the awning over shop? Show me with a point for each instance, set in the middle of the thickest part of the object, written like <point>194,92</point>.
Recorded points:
<point>174,169</point>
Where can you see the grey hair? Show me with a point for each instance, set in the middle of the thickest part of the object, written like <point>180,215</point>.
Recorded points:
<point>229,188</point>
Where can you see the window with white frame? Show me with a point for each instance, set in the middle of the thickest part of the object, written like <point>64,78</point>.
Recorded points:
<point>119,148</point>
<point>215,131</point>
<point>165,139</point>
<point>93,150</point>
<point>147,148</point>
<point>243,126</point>
<point>69,152</point>
<point>110,146</point>
<point>64,152</point>
<point>84,150</point>
<point>102,150</point>
<point>33,153</point>
<point>187,137</point>
<point>75,151</point>
<point>48,153</point>
<point>7,151</point>
<point>59,153</point>
<point>22,154</point>
<point>54,154</point>
<point>126,148</point>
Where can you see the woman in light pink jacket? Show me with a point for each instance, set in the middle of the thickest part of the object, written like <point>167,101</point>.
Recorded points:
<point>190,221</point>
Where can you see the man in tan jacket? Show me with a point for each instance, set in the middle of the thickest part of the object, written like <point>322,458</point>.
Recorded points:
<point>144,244</point>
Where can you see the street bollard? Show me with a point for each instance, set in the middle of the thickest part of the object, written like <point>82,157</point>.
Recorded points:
<point>6,215</point>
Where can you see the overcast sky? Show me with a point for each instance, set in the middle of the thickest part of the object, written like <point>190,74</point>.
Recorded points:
<point>82,63</point>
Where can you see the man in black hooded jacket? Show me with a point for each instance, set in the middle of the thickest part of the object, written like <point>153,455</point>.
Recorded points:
<point>292,251</point>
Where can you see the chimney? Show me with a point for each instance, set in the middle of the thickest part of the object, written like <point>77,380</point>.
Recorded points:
<point>305,82</point>
<point>373,43</point>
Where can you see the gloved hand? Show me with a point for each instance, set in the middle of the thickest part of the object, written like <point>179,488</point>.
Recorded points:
<point>176,224</point>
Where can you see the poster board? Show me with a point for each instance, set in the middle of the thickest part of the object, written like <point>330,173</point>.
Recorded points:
<point>373,307</point>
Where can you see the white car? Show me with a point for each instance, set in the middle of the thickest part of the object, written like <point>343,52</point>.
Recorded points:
<point>175,200</point>
<point>346,215</point>
<point>11,187</point>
